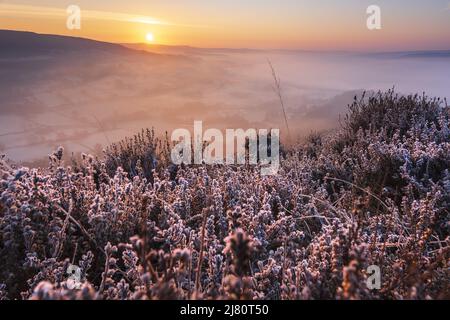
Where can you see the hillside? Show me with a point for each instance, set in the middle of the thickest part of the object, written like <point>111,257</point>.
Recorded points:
<point>19,44</point>
<point>373,193</point>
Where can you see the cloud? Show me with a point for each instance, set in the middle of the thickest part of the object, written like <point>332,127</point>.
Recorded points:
<point>49,12</point>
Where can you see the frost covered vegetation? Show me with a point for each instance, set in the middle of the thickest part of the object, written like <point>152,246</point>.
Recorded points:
<point>375,192</point>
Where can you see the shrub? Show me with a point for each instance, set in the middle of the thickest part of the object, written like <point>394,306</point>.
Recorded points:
<point>376,192</point>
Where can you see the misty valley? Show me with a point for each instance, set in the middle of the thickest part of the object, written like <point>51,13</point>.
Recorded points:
<point>85,95</point>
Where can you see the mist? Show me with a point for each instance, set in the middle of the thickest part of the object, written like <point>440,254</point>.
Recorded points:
<point>85,101</point>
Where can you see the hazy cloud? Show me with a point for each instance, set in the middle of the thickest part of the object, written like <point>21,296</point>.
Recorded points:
<point>33,11</point>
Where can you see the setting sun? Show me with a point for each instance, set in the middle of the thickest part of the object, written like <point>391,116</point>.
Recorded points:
<point>149,37</point>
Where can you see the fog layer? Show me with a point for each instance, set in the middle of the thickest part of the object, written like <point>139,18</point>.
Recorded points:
<point>84,100</point>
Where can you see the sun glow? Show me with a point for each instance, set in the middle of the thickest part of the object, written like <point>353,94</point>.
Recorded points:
<point>149,37</point>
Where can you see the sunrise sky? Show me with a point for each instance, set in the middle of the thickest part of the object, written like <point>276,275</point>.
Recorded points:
<point>289,24</point>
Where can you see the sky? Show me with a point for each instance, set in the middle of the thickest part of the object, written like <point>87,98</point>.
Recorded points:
<point>283,24</point>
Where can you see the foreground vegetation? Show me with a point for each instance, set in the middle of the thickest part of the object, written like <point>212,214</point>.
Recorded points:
<point>375,192</point>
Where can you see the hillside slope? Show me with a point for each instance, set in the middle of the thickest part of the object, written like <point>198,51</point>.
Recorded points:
<point>376,192</point>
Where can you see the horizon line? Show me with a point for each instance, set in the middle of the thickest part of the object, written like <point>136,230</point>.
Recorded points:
<point>236,48</point>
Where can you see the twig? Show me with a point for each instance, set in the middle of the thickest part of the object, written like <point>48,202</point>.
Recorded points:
<point>83,230</point>
<point>277,90</point>
<point>60,243</point>
<point>200,258</point>
<point>364,190</point>
<point>105,274</point>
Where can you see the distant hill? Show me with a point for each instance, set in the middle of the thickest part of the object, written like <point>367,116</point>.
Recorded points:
<point>19,44</point>
<point>186,50</point>
<point>430,54</point>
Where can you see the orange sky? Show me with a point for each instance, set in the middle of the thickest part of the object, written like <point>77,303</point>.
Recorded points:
<point>323,25</point>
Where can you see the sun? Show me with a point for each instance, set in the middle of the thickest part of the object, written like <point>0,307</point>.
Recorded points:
<point>149,37</point>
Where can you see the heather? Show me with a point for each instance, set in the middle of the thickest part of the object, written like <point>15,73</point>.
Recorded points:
<point>374,192</point>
